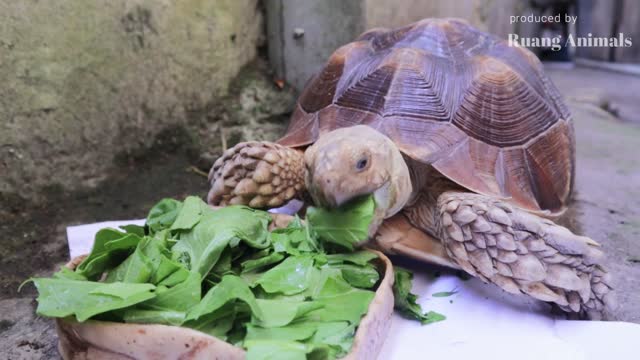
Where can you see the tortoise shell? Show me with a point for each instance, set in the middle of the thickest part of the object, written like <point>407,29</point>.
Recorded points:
<point>481,112</point>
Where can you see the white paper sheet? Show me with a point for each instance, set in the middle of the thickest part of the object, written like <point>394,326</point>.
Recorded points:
<point>482,322</point>
<point>80,238</point>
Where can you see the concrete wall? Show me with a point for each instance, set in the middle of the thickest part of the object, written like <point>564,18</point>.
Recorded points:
<point>327,25</point>
<point>303,33</point>
<point>82,81</point>
<point>630,26</point>
<point>596,17</point>
<point>604,18</point>
<point>488,15</point>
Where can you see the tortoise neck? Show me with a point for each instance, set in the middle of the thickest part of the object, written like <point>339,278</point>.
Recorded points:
<point>428,183</point>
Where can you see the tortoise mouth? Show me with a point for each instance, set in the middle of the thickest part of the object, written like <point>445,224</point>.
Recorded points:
<point>332,200</point>
<point>350,201</point>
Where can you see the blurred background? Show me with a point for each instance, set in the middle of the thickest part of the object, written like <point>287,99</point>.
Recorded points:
<point>108,106</point>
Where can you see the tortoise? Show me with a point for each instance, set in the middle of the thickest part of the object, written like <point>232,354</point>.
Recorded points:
<point>465,144</point>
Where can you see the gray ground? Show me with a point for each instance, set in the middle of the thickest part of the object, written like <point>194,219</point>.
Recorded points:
<point>607,200</point>
<point>611,90</point>
<point>606,207</point>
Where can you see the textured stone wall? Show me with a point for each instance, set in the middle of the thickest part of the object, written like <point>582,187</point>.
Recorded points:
<point>83,81</point>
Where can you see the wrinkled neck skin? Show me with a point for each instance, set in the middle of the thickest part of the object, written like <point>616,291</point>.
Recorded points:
<point>351,162</point>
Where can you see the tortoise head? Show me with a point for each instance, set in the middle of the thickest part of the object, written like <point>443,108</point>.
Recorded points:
<point>355,161</point>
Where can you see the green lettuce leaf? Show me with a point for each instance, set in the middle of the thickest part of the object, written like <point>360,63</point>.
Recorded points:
<point>170,305</point>
<point>133,229</point>
<point>276,313</point>
<point>340,300</point>
<point>163,214</point>
<point>201,247</point>
<point>345,226</point>
<point>362,257</point>
<point>338,335</point>
<point>156,249</point>
<point>365,277</point>
<point>66,273</point>
<point>190,214</point>
<point>445,293</point>
<point>291,276</point>
<point>294,332</point>
<point>145,316</point>
<point>296,238</point>
<point>84,299</point>
<point>231,288</point>
<point>251,265</point>
<point>217,323</point>
<point>110,247</point>
<point>176,277</point>
<point>406,302</point>
<point>276,350</point>
<point>136,268</point>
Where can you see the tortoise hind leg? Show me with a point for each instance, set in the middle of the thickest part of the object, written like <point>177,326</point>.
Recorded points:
<point>397,235</point>
<point>522,252</point>
<point>259,174</point>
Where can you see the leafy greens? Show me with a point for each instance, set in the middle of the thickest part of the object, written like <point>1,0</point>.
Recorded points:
<point>406,302</point>
<point>279,294</point>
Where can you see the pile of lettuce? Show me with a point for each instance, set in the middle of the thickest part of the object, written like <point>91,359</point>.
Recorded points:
<point>285,293</point>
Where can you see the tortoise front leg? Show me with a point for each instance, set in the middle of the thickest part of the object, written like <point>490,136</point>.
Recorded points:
<point>525,253</point>
<point>397,235</point>
<point>259,174</point>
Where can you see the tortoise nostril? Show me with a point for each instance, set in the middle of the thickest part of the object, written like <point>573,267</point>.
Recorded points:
<point>328,181</point>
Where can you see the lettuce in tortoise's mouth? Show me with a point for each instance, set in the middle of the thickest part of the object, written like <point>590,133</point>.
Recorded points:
<point>346,225</point>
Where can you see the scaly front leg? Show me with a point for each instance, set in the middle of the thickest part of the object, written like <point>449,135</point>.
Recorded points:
<point>525,253</point>
<point>259,174</point>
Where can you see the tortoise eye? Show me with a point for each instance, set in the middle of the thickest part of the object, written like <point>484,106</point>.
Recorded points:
<point>362,164</point>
